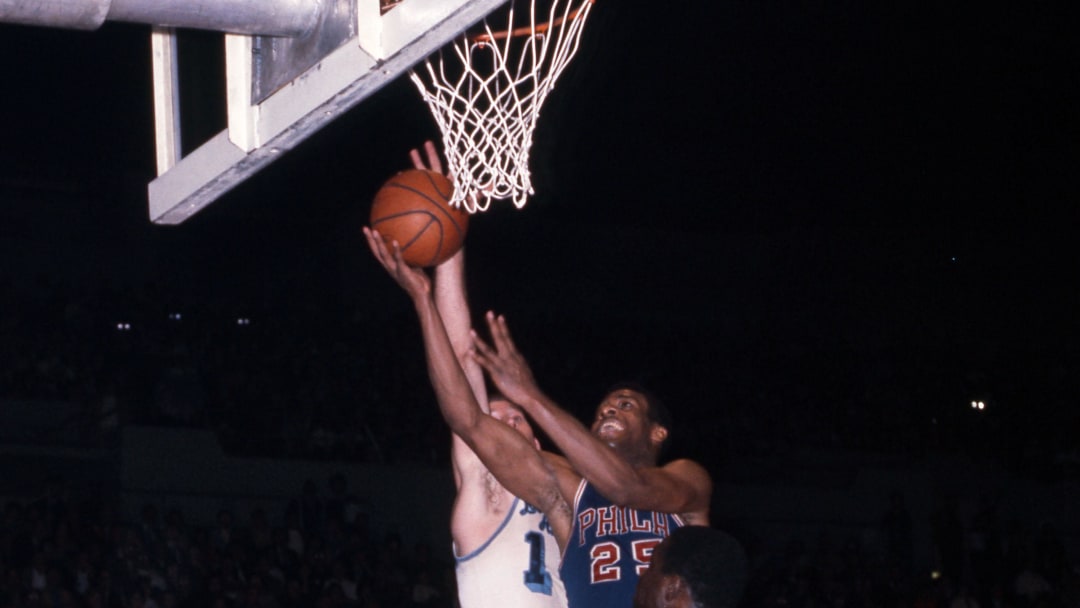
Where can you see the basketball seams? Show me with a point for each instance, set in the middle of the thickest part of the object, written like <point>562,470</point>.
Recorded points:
<point>400,214</point>
<point>406,207</point>
<point>419,232</point>
<point>446,196</point>
<point>430,175</point>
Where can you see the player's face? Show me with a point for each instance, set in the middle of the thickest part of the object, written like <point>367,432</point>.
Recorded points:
<point>623,414</point>
<point>650,591</point>
<point>509,414</point>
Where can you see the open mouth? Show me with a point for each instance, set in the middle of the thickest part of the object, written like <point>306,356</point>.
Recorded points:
<point>610,424</point>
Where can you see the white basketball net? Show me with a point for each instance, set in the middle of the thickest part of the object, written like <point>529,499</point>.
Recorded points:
<point>486,99</point>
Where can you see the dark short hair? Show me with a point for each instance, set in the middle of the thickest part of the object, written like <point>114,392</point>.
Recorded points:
<point>712,563</point>
<point>657,411</point>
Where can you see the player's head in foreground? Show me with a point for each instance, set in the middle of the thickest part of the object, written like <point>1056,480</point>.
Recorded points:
<point>695,567</point>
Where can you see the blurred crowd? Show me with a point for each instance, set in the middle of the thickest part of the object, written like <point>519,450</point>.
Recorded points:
<point>323,382</point>
<point>67,548</point>
<point>333,381</point>
<point>71,549</point>
<point>345,380</point>
<point>978,563</point>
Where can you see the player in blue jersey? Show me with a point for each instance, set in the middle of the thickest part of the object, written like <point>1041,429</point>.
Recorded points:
<point>624,503</point>
<point>505,548</point>
<point>628,503</point>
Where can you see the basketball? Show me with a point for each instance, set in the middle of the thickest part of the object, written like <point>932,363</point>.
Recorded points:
<point>413,209</point>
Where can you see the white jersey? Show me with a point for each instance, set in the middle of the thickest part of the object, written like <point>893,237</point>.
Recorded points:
<point>517,567</point>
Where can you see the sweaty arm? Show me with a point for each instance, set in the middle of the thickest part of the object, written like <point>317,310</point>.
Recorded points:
<point>511,459</point>
<point>453,307</point>
<point>681,487</point>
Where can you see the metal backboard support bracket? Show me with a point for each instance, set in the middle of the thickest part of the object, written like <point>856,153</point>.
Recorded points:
<point>282,90</point>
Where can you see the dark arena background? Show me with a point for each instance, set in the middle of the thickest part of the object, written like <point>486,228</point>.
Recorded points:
<point>839,239</point>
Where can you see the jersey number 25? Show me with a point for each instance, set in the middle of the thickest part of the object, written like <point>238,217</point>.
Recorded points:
<point>606,556</point>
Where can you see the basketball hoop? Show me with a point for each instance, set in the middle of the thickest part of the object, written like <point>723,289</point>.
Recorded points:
<point>486,99</point>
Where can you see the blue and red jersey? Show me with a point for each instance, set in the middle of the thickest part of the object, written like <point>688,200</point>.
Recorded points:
<point>608,549</point>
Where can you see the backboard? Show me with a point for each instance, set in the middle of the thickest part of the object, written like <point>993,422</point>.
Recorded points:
<point>282,89</point>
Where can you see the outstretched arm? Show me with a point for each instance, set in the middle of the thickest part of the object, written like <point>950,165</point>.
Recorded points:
<point>682,486</point>
<point>452,305</point>
<point>513,460</point>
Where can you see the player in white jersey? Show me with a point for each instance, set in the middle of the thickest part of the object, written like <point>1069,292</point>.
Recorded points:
<point>495,575</point>
<point>504,546</point>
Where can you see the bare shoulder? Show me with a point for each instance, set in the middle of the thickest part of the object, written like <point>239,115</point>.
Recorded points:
<point>697,481</point>
<point>689,474</point>
<point>689,470</point>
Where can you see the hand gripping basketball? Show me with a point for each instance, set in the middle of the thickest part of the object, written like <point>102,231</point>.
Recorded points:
<point>413,280</point>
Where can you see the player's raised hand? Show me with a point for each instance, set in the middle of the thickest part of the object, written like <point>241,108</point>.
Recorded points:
<point>433,161</point>
<point>454,266</point>
<point>504,364</point>
<point>414,281</point>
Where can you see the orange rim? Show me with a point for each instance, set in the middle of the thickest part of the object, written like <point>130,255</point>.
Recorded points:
<point>527,30</point>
